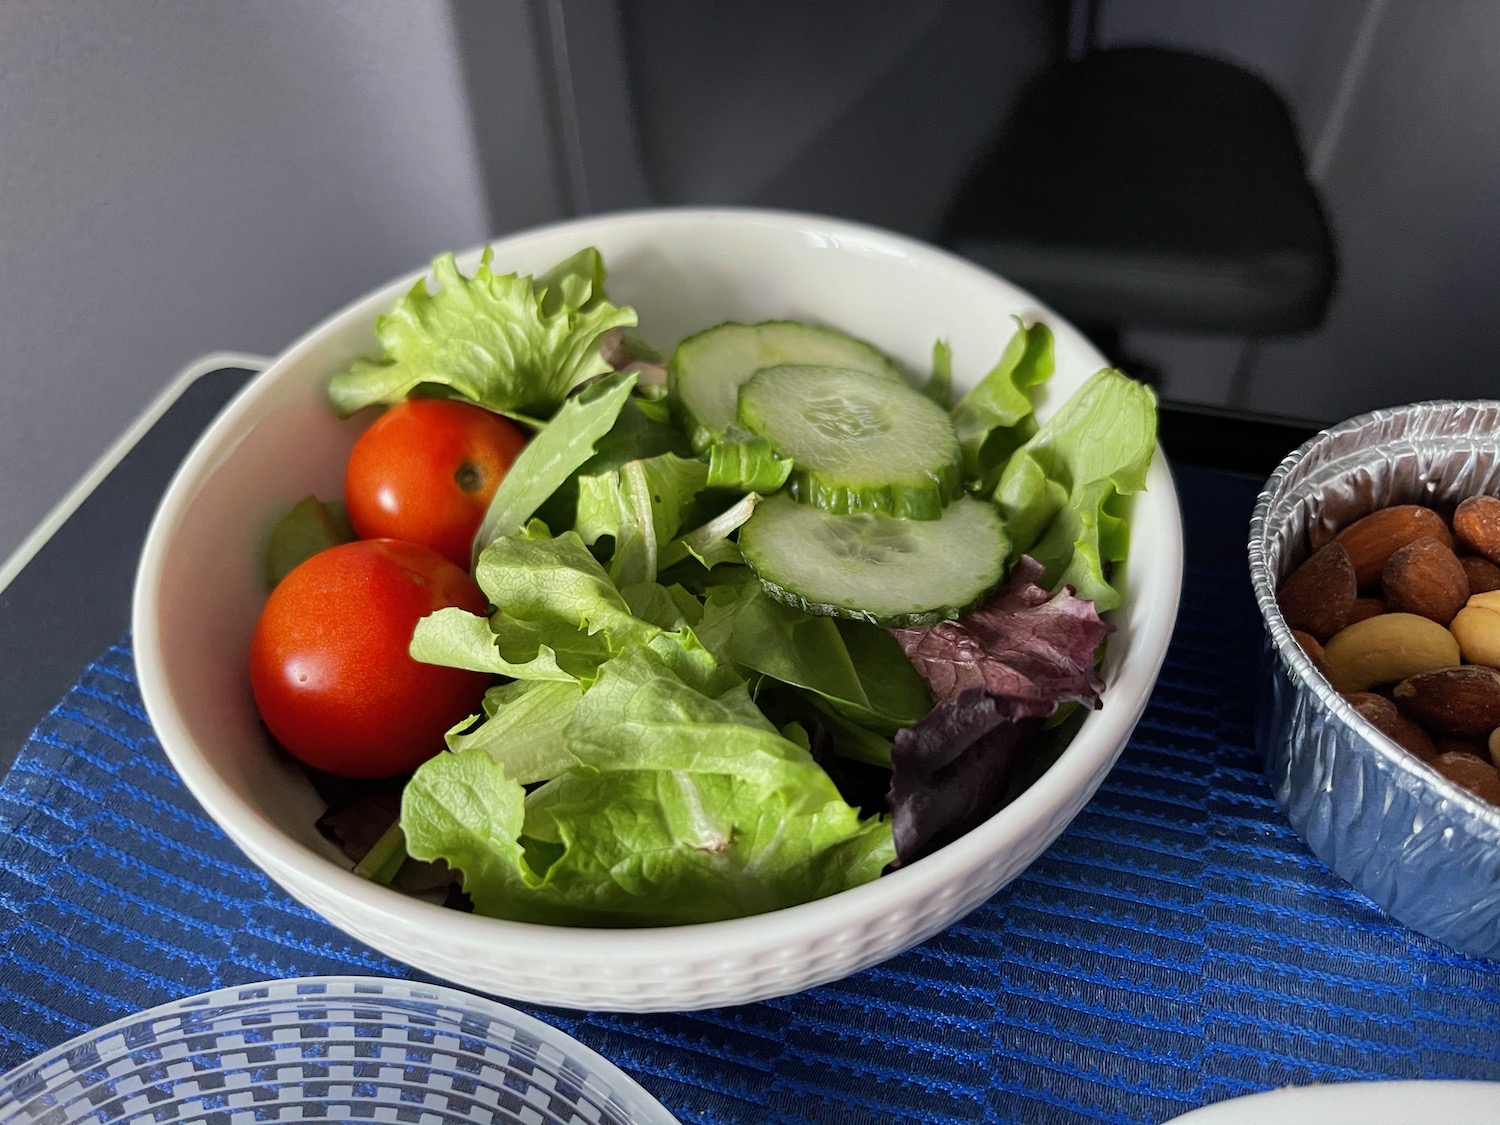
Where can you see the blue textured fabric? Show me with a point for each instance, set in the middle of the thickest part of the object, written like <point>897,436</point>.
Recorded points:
<point>1178,945</point>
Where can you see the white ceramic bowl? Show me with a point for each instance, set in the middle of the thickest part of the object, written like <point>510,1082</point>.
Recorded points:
<point>199,591</point>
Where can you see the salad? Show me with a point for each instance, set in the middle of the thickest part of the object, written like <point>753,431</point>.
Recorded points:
<point>597,637</point>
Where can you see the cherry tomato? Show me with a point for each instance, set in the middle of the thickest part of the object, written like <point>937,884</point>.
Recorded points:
<point>329,664</point>
<point>425,471</point>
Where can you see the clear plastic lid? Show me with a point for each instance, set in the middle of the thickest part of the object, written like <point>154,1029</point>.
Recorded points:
<point>345,1049</point>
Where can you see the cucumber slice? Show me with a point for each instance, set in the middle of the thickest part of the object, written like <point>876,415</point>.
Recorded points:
<point>707,370</point>
<point>747,466</point>
<point>877,568</point>
<point>857,443</point>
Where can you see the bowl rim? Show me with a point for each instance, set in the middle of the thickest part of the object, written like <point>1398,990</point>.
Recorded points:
<point>1412,769</point>
<point>265,844</point>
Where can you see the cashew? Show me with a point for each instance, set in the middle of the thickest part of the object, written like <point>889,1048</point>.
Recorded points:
<point>1388,648</point>
<point>1490,599</point>
<point>1477,628</point>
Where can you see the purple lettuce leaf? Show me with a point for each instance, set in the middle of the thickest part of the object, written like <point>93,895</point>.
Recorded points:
<point>1023,643</point>
<point>358,814</point>
<point>949,770</point>
<point>995,675</point>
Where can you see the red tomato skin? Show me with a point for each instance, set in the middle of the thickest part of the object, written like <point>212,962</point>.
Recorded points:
<point>329,665</point>
<point>425,471</point>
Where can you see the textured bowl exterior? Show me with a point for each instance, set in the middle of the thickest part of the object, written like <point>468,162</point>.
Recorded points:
<point>1421,846</point>
<point>198,593</point>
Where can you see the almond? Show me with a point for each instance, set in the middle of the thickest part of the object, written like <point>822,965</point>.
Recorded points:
<point>1476,524</point>
<point>1452,744</point>
<point>1477,629</point>
<point>1477,776</point>
<point>1320,534</point>
<point>1369,704</point>
<point>1366,607</point>
<point>1375,538</point>
<point>1410,737</point>
<point>1482,574</point>
<point>1319,594</point>
<point>1386,650</point>
<point>1382,714</point>
<point>1425,577</point>
<point>1463,701</point>
<point>1314,650</point>
<point>1493,745</point>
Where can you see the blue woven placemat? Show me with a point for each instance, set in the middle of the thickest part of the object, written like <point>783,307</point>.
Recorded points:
<point>1177,946</point>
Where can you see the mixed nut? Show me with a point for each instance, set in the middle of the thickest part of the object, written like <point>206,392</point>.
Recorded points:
<point>1400,612</point>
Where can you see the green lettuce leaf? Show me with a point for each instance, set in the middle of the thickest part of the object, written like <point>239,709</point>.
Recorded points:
<point>561,618</point>
<point>685,807</point>
<point>311,526</point>
<point>523,728</point>
<point>1061,491</point>
<point>1082,537</point>
<point>553,580</point>
<point>654,406</point>
<point>939,388</point>
<point>464,808</point>
<point>641,506</point>
<point>666,607</point>
<point>693,662</point>
<point>553,594</point>
<point>852,740</point>
<point>638,433</point>
<point>858,669</point>
<point>995,417</point>
<point>460,639</point>
<point>512,344</point>
<point>552,457</point>
<point>635,435</point>
<point>709,543</point>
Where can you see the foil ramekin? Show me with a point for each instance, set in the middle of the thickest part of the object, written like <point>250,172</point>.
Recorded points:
<point>1423,848</point>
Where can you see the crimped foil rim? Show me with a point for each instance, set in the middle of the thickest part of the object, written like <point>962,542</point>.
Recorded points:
<point>1412,771</point>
